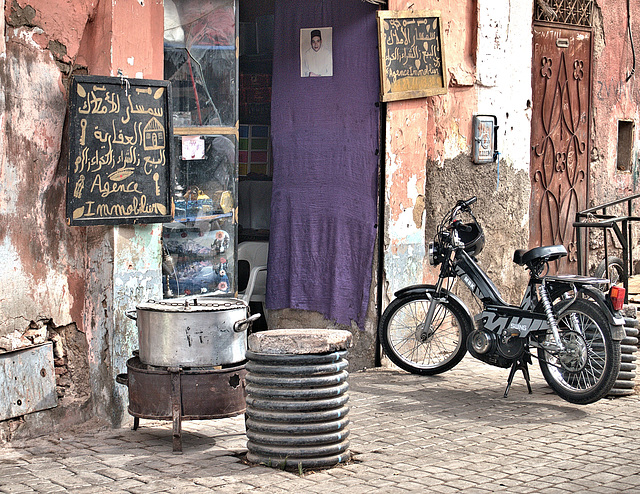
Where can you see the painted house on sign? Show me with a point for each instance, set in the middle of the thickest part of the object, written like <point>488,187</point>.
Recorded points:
<point>154,135</point>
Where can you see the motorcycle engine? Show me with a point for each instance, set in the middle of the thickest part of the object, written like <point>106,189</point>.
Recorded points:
<point>493,349</point>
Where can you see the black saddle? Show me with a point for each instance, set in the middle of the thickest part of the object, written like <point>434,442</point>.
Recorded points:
<point>548,253</point>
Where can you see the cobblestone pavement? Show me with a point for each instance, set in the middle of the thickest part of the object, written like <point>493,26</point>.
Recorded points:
<point>449,433</point>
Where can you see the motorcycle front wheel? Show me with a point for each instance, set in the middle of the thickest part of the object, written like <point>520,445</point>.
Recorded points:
<point>438,349</point>
<point>588,367</point>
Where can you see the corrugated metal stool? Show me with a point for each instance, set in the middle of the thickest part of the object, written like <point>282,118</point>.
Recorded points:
<point>625,383</point>
<point>296,416</point>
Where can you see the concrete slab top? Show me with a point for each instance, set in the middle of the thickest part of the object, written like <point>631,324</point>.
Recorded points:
<point>300,341</point>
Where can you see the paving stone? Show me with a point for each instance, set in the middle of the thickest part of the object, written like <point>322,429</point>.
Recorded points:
<point>16,488</point>
<point>47,488</point>
<point>148,488</point>
<point>452,433</point>
<point>93,489</point>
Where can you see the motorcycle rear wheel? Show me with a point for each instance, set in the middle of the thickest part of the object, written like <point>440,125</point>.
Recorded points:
<point>445,345</point>
<point>596,360</point>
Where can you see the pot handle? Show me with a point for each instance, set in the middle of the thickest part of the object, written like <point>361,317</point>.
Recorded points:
<point>123,379</point>
<point>131,314</point>
<point>239,326</point>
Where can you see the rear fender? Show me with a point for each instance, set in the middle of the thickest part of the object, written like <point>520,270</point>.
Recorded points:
<point>617,323</point>
<point>597,296</point>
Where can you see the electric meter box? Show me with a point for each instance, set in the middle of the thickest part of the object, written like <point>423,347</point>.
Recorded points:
<point>485,138</point>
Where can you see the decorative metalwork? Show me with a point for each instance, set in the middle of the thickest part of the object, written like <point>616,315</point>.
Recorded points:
<point>559,147</point>
<point>573,12</point>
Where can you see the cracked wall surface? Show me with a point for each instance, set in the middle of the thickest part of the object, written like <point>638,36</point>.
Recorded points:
<point>429,143</point>
<point>615,97</point>
<point>60,283</point>
<point>72,285</point>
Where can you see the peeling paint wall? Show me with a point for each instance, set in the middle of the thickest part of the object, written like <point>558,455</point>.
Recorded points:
<point>68,285</point>
<point>429,143</point>
<point>137,278</point>
<point>614,98</point>
<point>42,262</point>
<point>73,285</point>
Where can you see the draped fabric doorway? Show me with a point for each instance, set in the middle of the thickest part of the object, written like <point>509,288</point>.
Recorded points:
<point>325,162</point>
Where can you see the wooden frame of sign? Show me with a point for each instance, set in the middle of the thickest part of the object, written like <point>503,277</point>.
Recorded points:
<point>121,164</point>
<point>412,62</point>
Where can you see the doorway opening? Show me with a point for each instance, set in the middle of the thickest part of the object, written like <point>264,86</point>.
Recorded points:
<point>255,159</point>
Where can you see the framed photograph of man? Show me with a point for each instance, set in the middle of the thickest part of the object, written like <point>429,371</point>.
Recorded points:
<point>316,52</point>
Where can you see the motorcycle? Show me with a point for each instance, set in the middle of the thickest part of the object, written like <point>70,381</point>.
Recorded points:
<point>572,322</point>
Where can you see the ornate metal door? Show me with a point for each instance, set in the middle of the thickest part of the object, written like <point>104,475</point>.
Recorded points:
<point>559,135</point>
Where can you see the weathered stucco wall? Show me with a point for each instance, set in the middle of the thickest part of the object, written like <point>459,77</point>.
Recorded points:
<point>427,129</point>
<point>42,262</point>
<point>73,285</point>
<point>614,98</point>
<point>429,143</point>
<point>69,285</point>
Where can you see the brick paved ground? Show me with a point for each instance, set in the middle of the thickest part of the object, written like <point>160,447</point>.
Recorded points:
<point>448,433</point>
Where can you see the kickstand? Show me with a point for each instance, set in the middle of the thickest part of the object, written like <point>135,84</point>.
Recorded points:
<point>520,364</point>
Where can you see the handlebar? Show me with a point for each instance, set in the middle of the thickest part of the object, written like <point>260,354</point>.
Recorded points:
<point>462,206</point>
<point>465,204</point>
<point>447,233</point>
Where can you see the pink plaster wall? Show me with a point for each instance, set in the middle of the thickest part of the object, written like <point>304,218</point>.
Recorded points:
<point>119,36</point>
<point>34,170</point>
<point>54,275</point>
<point>613,98</point>
<point>62,21</point>
<point>426,130</point>
<point>141,47</point>
<point>420,128</point>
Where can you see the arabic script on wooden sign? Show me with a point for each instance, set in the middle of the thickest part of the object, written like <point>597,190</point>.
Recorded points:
<point>120,151</point>
<point>412,63</point>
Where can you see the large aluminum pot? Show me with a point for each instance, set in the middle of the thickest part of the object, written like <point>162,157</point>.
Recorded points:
<point>192,332</point>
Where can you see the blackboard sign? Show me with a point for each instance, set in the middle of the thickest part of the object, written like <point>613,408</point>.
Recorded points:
<point>412,61</point>
<point>120,151</point>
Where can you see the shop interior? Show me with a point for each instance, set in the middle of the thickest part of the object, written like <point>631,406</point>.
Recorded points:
<point>308,91</point>
<point>206,244</point>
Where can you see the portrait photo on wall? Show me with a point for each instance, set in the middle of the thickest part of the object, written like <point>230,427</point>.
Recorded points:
<point>316,58</point>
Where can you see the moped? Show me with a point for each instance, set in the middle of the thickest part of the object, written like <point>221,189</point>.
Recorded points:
<point>573,322</point>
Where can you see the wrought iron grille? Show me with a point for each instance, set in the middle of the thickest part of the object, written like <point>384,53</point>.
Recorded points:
<point>573,12</point>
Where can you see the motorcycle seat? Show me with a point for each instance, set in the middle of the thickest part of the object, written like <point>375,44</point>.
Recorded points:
<point>547,253</point>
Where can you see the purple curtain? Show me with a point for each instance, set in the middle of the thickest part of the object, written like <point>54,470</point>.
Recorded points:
<point>325,137</point>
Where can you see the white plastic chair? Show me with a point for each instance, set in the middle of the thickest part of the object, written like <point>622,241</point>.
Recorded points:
<point>256,254</point>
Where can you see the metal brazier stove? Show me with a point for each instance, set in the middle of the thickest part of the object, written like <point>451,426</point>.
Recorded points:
<point>191,361</point>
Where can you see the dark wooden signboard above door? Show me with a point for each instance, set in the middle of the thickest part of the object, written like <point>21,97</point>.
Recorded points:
<point>412,63</point>
<point>120,151</point>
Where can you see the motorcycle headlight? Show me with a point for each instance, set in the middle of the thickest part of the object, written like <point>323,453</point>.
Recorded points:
<point>433,253</point>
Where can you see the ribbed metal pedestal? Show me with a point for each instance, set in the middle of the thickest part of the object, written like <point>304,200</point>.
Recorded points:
<point>625,383</point>
<point>296,416</point>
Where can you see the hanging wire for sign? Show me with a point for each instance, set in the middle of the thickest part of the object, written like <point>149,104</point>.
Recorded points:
<point>124,82</point>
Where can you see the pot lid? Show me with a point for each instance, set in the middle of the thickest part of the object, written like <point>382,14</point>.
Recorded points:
<point>193,304</point>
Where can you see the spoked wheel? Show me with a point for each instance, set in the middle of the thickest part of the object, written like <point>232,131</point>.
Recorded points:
<point>417,349</point>
<point>588,366</point>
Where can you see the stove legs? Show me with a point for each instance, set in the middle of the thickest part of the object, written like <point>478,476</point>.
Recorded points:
<point>176,394</point>
<point>176,408</point>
